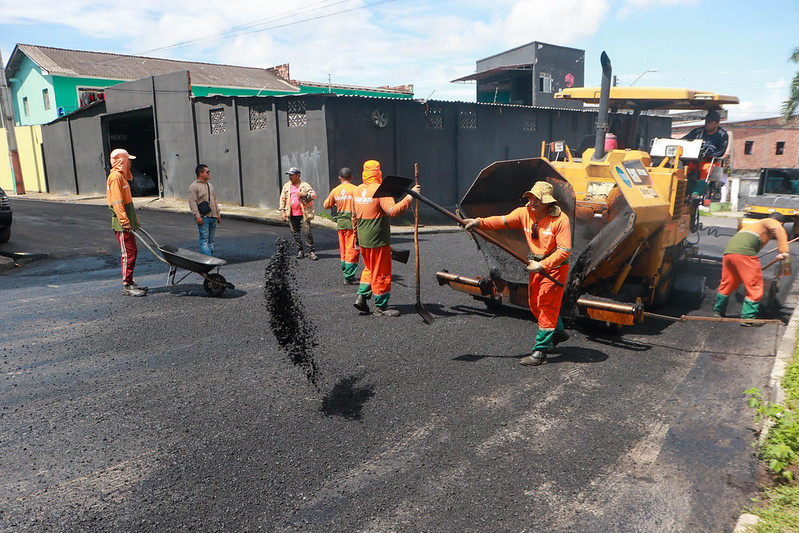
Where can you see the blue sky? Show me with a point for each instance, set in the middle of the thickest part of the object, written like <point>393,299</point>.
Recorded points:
<point>735,47</point>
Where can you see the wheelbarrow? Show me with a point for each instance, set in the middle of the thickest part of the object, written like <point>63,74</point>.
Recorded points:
<point>214,284</point>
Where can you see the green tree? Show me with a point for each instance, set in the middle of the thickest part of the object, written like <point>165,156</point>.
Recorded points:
<point>790,105</point>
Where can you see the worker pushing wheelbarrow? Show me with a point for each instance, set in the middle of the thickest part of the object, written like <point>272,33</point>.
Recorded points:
<point>214,283</point>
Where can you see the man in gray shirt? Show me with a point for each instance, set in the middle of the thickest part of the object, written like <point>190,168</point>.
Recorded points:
<point>202,202</point>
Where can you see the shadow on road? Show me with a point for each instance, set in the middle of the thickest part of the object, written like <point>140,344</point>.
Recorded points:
<point>346,399</point>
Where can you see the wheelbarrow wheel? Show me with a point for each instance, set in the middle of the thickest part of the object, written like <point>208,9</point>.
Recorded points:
<point>214,284</point>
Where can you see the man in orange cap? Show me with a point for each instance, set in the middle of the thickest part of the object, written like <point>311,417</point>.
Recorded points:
<point>374,237</point>
<point>123,217</point>
<point>548,233</point>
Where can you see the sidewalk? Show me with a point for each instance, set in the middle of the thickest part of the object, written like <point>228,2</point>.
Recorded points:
<point>260,215</point>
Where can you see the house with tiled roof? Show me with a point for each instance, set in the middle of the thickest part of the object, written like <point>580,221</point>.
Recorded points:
<point>50,82</point>
<point>47,82</point>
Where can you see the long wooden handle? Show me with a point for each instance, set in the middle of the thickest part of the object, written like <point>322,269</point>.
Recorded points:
<point>481,233</point>
<point>416,233</point>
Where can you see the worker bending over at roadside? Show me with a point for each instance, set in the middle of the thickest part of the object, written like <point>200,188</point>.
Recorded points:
<point>741,264</point>
<point>341,198</point>
<point>374,238</point>
<point>548,233</point>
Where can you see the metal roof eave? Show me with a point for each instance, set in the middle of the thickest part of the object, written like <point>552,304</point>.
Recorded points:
<point>650,97</point>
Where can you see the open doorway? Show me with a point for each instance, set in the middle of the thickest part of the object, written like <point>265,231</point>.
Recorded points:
<point>135,132</point>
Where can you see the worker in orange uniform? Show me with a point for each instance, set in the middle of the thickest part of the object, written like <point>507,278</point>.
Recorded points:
<point>741,264</point>
<point>374,238</point>
<point>548,233</point>
<point>341,198</point>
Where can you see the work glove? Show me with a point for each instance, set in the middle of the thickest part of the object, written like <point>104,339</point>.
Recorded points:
<point>470,223</point>
<point>417,189</point>
<point>534,267</point>
<point>781,256</point>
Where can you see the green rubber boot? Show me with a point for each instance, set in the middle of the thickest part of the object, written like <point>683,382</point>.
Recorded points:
<point>720,309</point>
<point>749,309</point>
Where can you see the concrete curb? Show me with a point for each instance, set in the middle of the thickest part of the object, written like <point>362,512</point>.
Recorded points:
<point>785,351</point>
<point>6,263</point>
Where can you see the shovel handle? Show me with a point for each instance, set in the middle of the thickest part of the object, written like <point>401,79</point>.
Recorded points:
<point>482,234</point>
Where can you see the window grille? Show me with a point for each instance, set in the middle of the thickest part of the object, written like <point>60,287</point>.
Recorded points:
<point>467,118</point>
<point>529,122</point>
<point>296,113</point>
<point>259,118</point>
<point>433,117</point>
<point>217,118</point>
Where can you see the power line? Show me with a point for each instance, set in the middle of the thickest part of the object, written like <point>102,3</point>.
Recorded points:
<point>310,9</point>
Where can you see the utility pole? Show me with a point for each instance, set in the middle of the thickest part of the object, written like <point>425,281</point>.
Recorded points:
<point>7,112</point>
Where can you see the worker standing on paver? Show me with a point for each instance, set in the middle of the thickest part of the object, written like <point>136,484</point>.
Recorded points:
<point>548,233</point>
<point>374,238</point>
<point>341,198</point>
<point>741,264</point>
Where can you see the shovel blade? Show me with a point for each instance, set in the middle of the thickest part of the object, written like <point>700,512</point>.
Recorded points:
<point>424,313</point>
<point>393,186</point>
<point>401,256</point>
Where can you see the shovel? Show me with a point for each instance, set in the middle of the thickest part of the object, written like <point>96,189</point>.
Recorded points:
<point>424,313</point>
<point>395,185</point>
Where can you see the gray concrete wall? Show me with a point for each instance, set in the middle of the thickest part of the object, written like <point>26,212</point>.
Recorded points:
<point>305,146</point>
<point>58,157</point>
<point>79,134</point>
<point>260,161</point>
<point>90,157</point>
<point>176,142</point>
<point>218,150</point>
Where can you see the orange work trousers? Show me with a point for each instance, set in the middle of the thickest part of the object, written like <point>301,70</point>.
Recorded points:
<point>746,269</point>
<point>346,246</point>
<point>377,269</point>
<point>545,297</point>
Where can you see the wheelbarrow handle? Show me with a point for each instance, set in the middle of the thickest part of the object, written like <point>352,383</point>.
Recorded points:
<point>150,243</point>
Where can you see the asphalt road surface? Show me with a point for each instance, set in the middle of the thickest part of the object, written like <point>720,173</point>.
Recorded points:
<point>180,412</point>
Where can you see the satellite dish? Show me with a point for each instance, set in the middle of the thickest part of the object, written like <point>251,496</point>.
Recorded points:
<point>379,119</point>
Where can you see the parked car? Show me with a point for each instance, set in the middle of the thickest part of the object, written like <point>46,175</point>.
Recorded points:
<point>5,217</point>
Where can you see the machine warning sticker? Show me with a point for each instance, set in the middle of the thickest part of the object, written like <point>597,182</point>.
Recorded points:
<point>638,175</point>
<point>648,192</point>
<point>623,176</point>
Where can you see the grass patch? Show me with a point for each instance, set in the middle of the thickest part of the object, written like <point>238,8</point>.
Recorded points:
<point>779,505</point>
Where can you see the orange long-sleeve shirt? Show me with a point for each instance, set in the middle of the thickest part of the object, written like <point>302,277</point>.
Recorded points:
<point>554,240</point>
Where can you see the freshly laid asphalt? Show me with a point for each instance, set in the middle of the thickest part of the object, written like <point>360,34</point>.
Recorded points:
<point>180,412</point>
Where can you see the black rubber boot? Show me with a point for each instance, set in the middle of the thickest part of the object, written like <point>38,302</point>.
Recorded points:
<point>361,304</point>
<point>536,358</point>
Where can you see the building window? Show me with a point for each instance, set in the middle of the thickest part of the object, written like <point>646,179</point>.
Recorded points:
<point>88,95</point>
<point>780,147</point>
<point>217,118</point>
<point>433,117</point>
<point>748,147</point>
<point>296,113</point>
<point>529,121</point>
<point>26,106</point>
<point>545,83</point>
<point>46,98</point>
<point>259,117</point>
<point>467,118</point>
